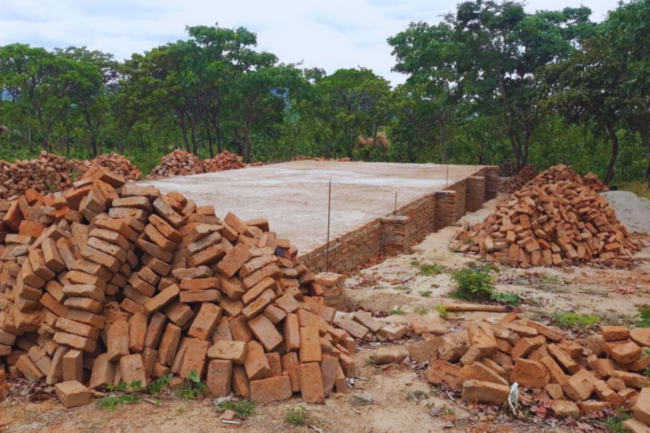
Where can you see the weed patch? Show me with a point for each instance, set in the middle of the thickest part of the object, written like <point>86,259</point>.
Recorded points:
<point>242,408</point>
<point>569,320</point>
<point>474,284</point>
<point>297,415</point>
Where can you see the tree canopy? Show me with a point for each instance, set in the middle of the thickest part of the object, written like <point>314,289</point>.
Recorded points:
<point>490,81</point>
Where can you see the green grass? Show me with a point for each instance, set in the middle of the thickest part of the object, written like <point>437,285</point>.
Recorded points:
<point>506,298</point>
<point>416,396</point>
<point>157,386</point>
<point>569,320</point>
<point>426,293</point>
<point>193,388</point>
<point>242,408</point>
<point>296,415</point>
<point>638,187</point>
<point>644,316</point>
<point>400,288</point>
<point>431,270</point>
<point>474,284</point>
<point>614,422</point>
<point>421,310</point>
<point>397,311</point>
<point>442,311</point>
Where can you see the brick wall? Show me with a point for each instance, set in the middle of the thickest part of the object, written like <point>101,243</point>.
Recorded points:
<point>347,251</point>
<point>475,193</point>
<point>422,217</point>
<point>395,235</point>
<point>425,215</point>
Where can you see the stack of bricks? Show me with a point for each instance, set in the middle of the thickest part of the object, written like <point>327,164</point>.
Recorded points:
<point>556,223</point>
<point>177,163</point>
<point>41,174</point>
<point>606,371</point>
<point>118,164</point>
<point>119,283</point>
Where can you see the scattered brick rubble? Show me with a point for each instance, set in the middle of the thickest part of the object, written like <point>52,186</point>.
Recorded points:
<point>111,282</point>
<point>182,163</point>
<point>118,164</point>
<point>604,371</point>
<point>554,220</point>
<point>513,183</point>
<point>50,172</point>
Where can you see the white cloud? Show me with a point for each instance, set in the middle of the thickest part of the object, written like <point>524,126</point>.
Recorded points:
<point>329,34</point>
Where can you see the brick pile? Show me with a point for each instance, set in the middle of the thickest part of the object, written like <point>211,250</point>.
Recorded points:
<point>110,282</point>
<point>118,164</point>
<point>45,173</point>
<point>554,220</point>
<point>177,163</point>
<point>605,371</point>
<point>594,182</point>
<point>223,161</point>
<point>508,168</point>
<point>514,183</point>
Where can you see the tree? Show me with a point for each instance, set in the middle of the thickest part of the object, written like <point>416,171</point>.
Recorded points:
<point>627,30</point>
<point>492,53</point>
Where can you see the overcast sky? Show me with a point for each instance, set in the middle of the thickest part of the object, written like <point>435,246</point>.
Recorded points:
<point>330,34</point>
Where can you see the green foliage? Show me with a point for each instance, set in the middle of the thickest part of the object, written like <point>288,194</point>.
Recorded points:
<point>565,320</point>
<point>296,415</point>
<point>506,298</point>
<point>396,311</point>
<point>426,293</point>
<point>615,421</point>
<point>490,81</point>
<point>431,270</point>
<point>644,316</point>
<point>421,310</point>
<point>400,288</point>
<point>417,396</point>
<point>442,311</point>
<point>193,387</point>
<point>112,401</point>
<point>242,408</point>
<point>474,284</point>
<point>159,385</point>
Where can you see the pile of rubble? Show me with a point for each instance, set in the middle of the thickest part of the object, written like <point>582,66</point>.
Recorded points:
<point>182,163</point>
<point>513,183</point>
<point>118,164</point>
<point>605,371</point>
<point>554,220</point>
<point>111,282</point>
<point>48,172</point>
<point>177,163</point>
<point>594,182</point>
<point>223,161</point>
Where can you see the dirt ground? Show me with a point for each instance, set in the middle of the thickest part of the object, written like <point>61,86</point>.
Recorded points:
<point>402,401</point>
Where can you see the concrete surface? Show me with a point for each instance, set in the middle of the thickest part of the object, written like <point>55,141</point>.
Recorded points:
<point>633,211</point>
<point>293,195</point>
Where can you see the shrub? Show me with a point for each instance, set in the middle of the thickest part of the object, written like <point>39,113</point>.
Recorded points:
<point>474,284</point>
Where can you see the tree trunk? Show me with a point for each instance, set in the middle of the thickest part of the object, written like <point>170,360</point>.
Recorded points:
<point>247,145</point>
<point>612,160</point>
<point>645,138</point>
<point>207,129</point>
<point>93,145</point>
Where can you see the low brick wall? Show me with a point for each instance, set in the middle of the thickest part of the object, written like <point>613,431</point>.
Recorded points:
<point>411,223</point>
<point>475,193</point>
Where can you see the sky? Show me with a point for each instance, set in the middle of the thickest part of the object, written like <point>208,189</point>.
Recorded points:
<point>329,34</point>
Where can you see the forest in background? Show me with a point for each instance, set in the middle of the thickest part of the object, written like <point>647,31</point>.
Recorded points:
<point>489,82</point>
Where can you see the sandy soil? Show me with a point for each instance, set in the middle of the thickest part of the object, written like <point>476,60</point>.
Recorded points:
<point>632,210</point>
<point>611,294</point>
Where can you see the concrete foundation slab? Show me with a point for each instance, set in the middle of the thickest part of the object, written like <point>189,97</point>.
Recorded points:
<point>294,195</point>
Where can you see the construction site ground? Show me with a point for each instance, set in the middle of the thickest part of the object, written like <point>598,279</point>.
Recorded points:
<point>393,398</point>
<point>293,196</point>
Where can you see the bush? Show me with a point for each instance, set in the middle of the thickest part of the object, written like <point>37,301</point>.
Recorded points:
<point>296,415</point>
<point>474,284</point>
